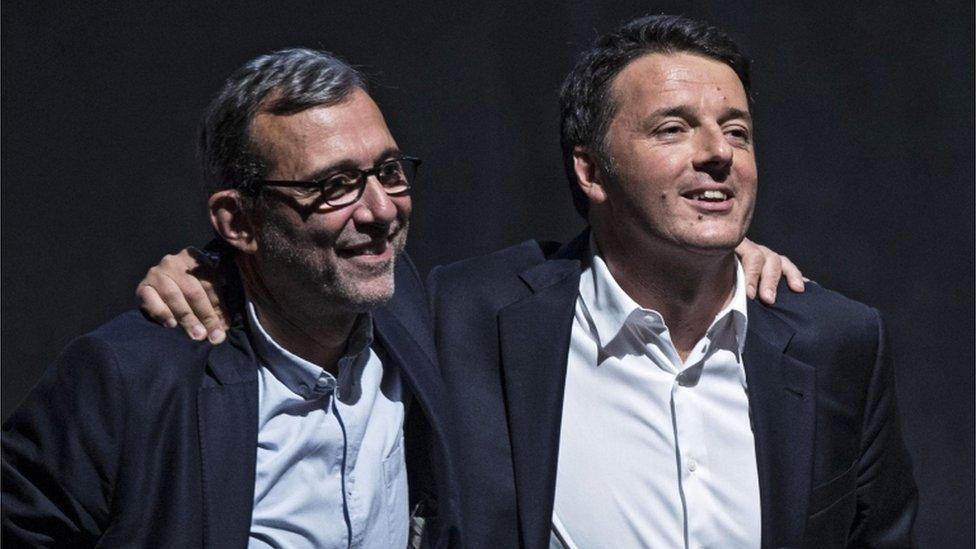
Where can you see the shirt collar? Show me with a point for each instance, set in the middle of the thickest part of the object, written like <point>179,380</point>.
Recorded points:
<point>302,377</point>
<point>610,308</point>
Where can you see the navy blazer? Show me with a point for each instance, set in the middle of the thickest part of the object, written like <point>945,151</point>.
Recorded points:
<point>833,470</point>
<point>139,436</point>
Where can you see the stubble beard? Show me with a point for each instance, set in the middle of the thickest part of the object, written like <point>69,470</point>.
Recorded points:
<point>327,280</point>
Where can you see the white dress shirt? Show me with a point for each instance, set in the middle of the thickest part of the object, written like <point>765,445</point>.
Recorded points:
<point>330,467</point>
<point>653,451</point>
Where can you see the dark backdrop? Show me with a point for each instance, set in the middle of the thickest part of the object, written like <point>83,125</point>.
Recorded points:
<point>865,139</point>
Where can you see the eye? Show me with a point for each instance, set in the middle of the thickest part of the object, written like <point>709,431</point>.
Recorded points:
<point>390,173</point>
<point>341,180</point>
<point>739,134</point>
<point>670,130</point>
<point>339,184</point>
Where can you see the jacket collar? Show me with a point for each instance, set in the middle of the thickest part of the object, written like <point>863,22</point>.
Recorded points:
<point>227,416</point>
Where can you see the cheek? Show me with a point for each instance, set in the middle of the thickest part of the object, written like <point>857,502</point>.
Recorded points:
<point>744,164</point>
<point>328,228</point>
<point>404,206</point>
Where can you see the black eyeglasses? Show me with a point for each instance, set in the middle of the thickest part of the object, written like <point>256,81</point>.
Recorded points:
<point>345,187</point>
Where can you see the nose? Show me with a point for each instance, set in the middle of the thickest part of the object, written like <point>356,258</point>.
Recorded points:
<point>714,153</point>
<point>375,207</point>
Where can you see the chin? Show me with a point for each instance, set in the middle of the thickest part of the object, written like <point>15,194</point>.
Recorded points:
<point>364,295</point>
<point>715,240</point>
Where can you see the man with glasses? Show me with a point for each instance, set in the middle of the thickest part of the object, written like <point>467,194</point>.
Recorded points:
<point>320,424</point>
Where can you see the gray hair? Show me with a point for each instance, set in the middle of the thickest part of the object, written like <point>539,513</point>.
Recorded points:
<point>284,82</point>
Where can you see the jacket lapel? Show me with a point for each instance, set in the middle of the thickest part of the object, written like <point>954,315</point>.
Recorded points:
<point>426,447</point>
<point>227,409</point>
<point>782,396</point>
<point>534,335</point>
<point>418,370</point>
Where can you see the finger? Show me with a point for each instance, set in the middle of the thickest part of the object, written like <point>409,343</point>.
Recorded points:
<point>173,297</point>
<point>199,302</point>
<point>152,305</point>
<point>772,269</point>
<point>211,313</point>
<point>794,278</point>
<point>205,271</point>
<point>752,262</point>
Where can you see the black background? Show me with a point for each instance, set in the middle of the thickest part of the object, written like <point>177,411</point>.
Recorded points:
<point>865,142</point>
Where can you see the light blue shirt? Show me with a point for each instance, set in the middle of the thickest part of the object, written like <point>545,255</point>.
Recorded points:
<point>330,469</point>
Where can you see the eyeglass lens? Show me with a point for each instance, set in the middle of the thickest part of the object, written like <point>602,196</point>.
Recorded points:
<point>346,187</point>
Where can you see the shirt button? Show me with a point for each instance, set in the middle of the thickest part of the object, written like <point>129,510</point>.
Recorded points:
<point>325,384</point>
<point>692,465</point>
<point>303,389</point>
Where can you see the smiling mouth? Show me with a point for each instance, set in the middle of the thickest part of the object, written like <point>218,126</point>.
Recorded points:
<point>376,249</point>
<point>365,250</point>
<point>711,195</point>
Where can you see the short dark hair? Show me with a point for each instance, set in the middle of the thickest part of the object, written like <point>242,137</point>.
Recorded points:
<point>586,102</point>
<point>286,81</point>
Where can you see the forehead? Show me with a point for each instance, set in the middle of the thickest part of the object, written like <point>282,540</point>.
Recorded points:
<point>295,145</point>
<point>662,79</point>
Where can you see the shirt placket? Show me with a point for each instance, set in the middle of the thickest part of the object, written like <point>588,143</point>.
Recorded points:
<point>326,387</point>
<point>693,459</point>
<point>687,426</point>
<point>352,437</point>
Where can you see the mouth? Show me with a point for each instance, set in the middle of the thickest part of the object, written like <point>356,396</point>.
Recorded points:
<point>710,200</point>
<point>376,250</point>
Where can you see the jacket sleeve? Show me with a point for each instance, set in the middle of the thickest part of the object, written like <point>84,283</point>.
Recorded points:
<point>60,451</point>
<point>887,499</point>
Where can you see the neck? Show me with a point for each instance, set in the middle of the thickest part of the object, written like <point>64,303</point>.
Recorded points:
<point>315,334</point>
<point>687,289</point>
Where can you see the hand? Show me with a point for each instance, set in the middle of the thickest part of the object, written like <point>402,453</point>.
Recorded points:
<point>183,290</point>
<point>763,268</point>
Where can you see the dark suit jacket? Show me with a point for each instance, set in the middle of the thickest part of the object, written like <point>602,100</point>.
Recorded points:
<point>141,437</point>
<point>833,470</point>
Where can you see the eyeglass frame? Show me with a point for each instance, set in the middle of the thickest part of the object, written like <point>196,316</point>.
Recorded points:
<point>255,185</point>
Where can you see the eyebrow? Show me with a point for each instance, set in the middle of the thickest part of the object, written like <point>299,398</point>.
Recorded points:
<point>349,164</point>
<point>733,113</point>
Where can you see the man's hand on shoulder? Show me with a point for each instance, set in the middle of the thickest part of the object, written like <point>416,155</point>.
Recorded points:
<point>763,268</point>
<point>183,289</point>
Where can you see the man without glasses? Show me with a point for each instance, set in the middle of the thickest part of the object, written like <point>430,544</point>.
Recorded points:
<point>621,391</point>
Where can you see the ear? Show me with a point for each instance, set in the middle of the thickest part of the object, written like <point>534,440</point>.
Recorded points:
<point>589,174</point>
<point>229,219</point>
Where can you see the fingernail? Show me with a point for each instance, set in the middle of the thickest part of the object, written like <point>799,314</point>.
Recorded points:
<point>751,290</point>
<point>198,332</point>
<point>171,323</point>
<point>770,294</point>
<point>216,336</point>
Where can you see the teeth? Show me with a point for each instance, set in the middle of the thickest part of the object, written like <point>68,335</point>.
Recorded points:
<point>369,250</point>
<point>710,195</point>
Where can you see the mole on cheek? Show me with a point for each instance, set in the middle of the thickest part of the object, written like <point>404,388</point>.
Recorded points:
<point>664,196</point>
<point>700,217</point>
